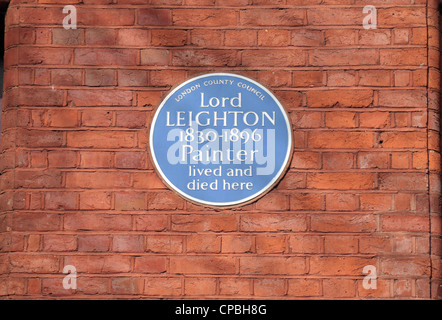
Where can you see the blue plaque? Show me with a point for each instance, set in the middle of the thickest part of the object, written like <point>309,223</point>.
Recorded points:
<point>221,140</point>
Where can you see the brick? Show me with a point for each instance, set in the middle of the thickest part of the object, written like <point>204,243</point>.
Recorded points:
<point>402,98</point>
<point>272,265</point>
<point>99,264</point>
<point>189,58</point>
<point>105,17</point>
<point>341,181</point>
<point>272,17</point>
<point>340,97</point>
<point>105,57</point>
<point>343,57</point>
<point>403,288</point>
<point>341,202</point>
<point>99,77</point>
<point>273,58</point>
<point>132,78</point>
<point>340,37</point>
<point>38,159</point>
<point>97,222</point>
<point>400,160</point>
<point>375,37</point>
<point>241,38</point>
<point>44,56</point>
<point>343,223</point>
<point>336,266</point>
<point>96,118</point>
<point>237,244</point>
<point>201,223</point>
<point>130,201</point>
<point>376,202</point>
<point>375,120</point>
<point>62,159</point>
<point>166,77</point>
<point>150,264</point>
<point>340,244</point>
<point>148,98</point>
<point>305,244</point>
<point>151,222</point>
<point>88,98</point>
<point>340,140</point>
<point>376,78</point>
<point>163,286</point>
<point>306,160</point>
<point>42,77</point>
<point>16,286</point>
<point>38,179</point>
<point>339,288</point>
<point>304,119</point>
<point>338,160</point>
<point>164,201</point>
<point>164,244</point>
<point>60,200</point>
<point>269,287</point>
<point>340,119</point>
<point>200,286</point>
<point>203,265</point>
<point>41,97</point>
<point>90,159</point>
<point>341,78</point>
<point>274,202</point>
<point>154,17</point>
<point>404,266</point>
<point>234,286</point>
<point>133,37</point>
<point>304,288</point>
<point>394,181</point>
<point>271,38</point>
<point>93,243</point>
<point>66,77</point>
<point>270,244</point>
<point>334,16</point>
<point>105,37</point>
<point>373,160</point>
<point>62,118</point>
<point>127,243</point>
<point>127,286</point>
<point>204,17</point>
<point>207,38</point>
<point>375,244</point>
<point>402,17</point>
<point>147,181</point>
<point>307,38</point>
<point>131,119</point>
<point>130,160</point>
<point>401,57</point>
<point>54,286</point>
<point>402,202</point>
<point>203,243</point>
<point>33,243</point>
<point>290,99</point>
<point>101,139</point>
<point>269,222</point>
<point>307,78</point>
<point>168,37</point>
<point>402,78</point>
<point>59,243</point>
<point>34,263</point>
<point>305,201</point>
<point>404,222</point>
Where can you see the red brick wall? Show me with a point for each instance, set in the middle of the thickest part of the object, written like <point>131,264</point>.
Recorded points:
<point>77,186</point>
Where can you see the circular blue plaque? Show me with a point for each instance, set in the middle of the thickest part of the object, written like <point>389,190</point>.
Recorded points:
<point>221,140</point>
